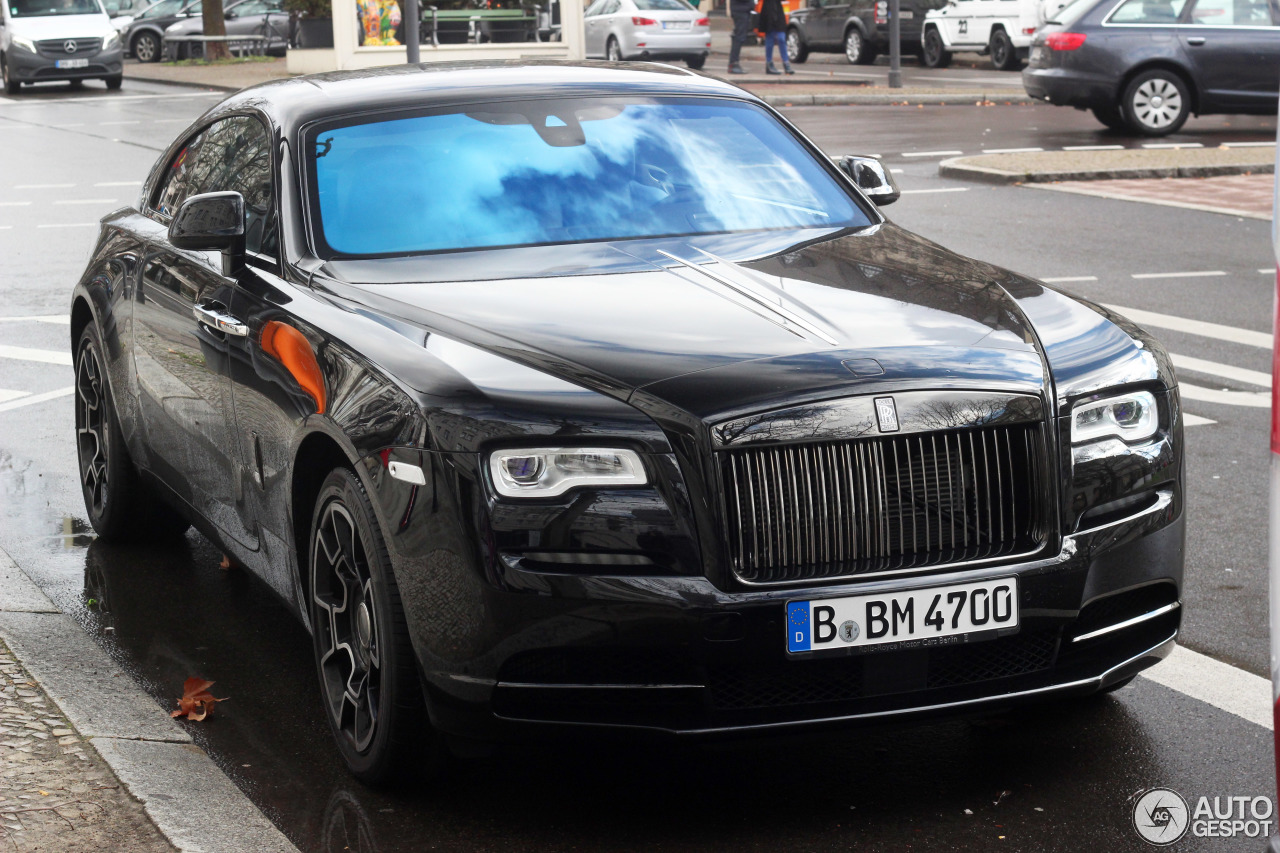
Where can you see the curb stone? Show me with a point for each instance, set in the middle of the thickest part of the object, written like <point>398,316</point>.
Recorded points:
<point>957,167</point>
<point>191,801</point>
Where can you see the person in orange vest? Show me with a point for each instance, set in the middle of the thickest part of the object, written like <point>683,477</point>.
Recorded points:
<point>773,22</point>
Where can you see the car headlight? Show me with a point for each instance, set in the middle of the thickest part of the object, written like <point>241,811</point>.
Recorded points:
<point>1129,417</point>
<point>112,39</point>
<point>26,44</point>
<point>544,472</point>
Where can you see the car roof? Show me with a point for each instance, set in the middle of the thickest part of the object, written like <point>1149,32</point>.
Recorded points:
<point>297,101</point>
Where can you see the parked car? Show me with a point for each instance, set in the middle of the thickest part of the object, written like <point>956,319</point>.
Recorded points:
<point>1001,29</point>
<point>859,28</point>
<point>46,40</point>
<point>591,396</point>
<point>647,29</point>
<point>144,39</point>
<point>1146,65</point>
<point>245,18</point>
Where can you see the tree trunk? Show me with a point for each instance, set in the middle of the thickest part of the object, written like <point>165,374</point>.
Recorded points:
<point>215,25</point>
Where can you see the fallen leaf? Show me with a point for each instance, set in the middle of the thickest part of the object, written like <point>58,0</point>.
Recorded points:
<point>44,793</point>
<point>196,702</point>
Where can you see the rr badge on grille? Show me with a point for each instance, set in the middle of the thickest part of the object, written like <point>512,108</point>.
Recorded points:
<point>887,414</point>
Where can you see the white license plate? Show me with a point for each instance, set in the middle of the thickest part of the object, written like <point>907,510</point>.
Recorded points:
<point>675,25</point>
<point>906,15</point>
<point>73,63</point>
<point>940,615</point>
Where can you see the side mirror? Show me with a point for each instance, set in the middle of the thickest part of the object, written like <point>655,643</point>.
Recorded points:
<point>872,178</point>
<point>212,222</point>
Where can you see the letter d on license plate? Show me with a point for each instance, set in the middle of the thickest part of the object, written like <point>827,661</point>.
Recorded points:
<point>894,617</point>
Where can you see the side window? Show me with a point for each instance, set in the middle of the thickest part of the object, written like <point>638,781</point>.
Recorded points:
<point>594,9</point>
<point>1231,13</point>
<point>610,8</point>
<point>236,155</point>
<point>178,180</point>
<point>1148,12</point>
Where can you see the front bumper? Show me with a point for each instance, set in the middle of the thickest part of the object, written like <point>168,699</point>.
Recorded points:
<point>29,67</point>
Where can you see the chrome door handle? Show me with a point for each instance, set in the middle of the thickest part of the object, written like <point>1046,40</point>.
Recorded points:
<point>220,322</point>
<point>1195,41</point>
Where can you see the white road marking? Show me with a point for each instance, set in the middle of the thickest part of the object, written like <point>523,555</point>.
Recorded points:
<point>1195,327</point>
<point>32,399</point>
<point>1093,148</point>
<point>43,186</point>
<point>5,227</point>
<point>1251,399</point>
<point>1221,685</point>
<point>86,201</point>
<point>1163,145</point>
<point>1190,420</point>
<point>1226,371</point>
<point>1066,278</point>
<point>1011,150</point>
<point>47,356</point>
<point>70,225</point>
<point>14,203</point>
<point>1196,274</point>
<point>6,396</point>
<point>931,153</point>
<point>63,319</point>
<point>119,184</point>
<point>939,190</point>
<point>1266,271</point>
<point>896,171</point>
<point>1247,144</point>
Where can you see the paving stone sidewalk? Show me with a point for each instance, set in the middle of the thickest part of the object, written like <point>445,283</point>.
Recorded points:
<point>56,794</point>
<point>1236,195</point>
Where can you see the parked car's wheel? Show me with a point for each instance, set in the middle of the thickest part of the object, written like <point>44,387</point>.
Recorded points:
<point>114,81</point>
<point>119,504</point>
<point>696,62</point>
<point>368,678</point>
<point>612,51</point>
<point>1111,116</point>
<point>1004,56</point>
<point>146,47</point>
<point>1156,102</point>
<point>11,86</point>
<point>797,50</point>
<point>935,54</point>
<point>856,49</point>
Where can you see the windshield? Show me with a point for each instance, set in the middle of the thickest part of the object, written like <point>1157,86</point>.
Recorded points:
<point>43,8</point>
<point>564,171</point>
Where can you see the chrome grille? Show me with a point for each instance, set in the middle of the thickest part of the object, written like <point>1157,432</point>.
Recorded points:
<point>58,47</point>
<point>811,511</point>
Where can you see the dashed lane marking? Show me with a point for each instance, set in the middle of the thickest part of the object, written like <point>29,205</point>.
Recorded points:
<point>46,356</point>
<point>1205,329</point>
<point>1193,274</point>
<point>1248,144</point>
<point>938,190</point>
<point>1093,148</point>
<point>1172,145</point>
<point>1011,150</point>
<point>931,153</point>
<point>14,203</point>
<point>6,396</point>
<point>1066,278</point>
<point>1225,371</point>
<point>1190,420</point>
<point>1249,399</point>
<point>62,319</point>
<point>1221,685</point>
<point>32,399</point>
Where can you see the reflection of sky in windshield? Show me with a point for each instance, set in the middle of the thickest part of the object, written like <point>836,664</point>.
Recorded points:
<point>554,172</point>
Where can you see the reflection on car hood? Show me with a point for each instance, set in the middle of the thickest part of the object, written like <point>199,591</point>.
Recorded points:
<point>789,319</point>
<point>62,27</point>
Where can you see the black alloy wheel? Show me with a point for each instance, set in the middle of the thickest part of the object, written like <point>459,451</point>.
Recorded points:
<point>856,49</point>
<point>796,49</point>
<point>1004,56</point>
<point>11,86</point>
<point>935,54</point>
<point>119,504</point>
<point>1156,102</point>
<point>368,676</point>
<point>696,62</point>
<point>1111,116</point>
<point>146,47</point>
<point>115,81</point>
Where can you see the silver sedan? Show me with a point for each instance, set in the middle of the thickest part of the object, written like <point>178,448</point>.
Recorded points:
<point>246,18</point>
<point>647,29</point>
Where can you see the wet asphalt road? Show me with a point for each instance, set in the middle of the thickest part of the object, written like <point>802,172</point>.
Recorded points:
<point>1056,779</point>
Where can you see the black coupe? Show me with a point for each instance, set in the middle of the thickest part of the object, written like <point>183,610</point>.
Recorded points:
<point>573,395</point>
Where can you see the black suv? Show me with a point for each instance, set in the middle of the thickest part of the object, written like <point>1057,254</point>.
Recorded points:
<point>858,27</point>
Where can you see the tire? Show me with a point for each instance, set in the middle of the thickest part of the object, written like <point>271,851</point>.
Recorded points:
<point>797,50</point>
<point>11,86</point>
<point>146,47</point>
<point>361,637</point>
<point>1111,116</point>
<point>696,62</point>
<point>935,54</point>
<point>1156,103</point>
<point>612,51</point>
<point>119,504</point>
<point>76,84</point>
<point>114,81</point>
<point>856,49</point>
<point>1004,56</point>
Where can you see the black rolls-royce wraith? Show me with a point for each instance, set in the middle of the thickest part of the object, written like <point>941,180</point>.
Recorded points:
<point>557,395</point>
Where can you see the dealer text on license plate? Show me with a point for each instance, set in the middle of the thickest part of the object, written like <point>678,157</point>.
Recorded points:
<point>73,63</point>
<point>923,615</point>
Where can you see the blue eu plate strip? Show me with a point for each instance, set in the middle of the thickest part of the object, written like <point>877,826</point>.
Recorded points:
<point>798,626</point>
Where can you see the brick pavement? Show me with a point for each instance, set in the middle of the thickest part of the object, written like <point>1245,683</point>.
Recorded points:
<point>1240,195</point>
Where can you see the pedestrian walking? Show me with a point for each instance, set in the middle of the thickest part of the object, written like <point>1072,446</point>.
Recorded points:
<point>740,10</point>
<point>773,23</point>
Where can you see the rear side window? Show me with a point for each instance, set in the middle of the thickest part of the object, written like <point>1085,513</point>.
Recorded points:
<point>1148,12</point>
<point>179,178</point>
<point>1231,13</point>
